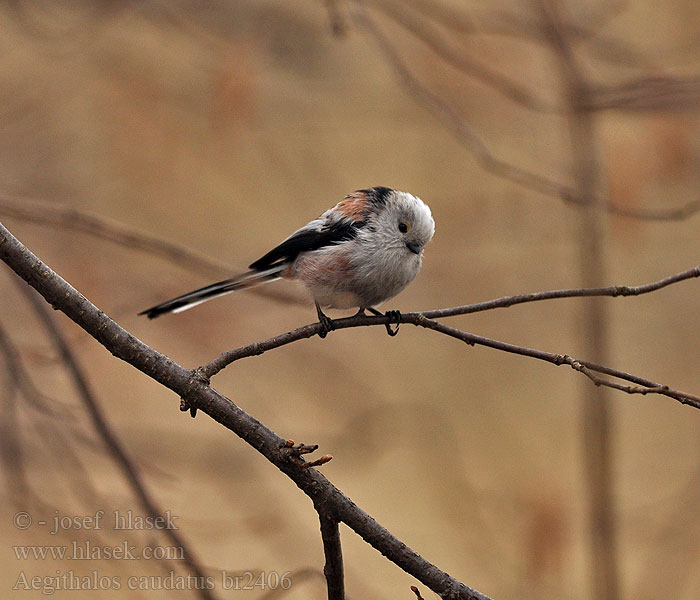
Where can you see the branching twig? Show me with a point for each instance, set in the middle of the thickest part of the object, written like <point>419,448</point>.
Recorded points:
<point>426,319</point>
<point>307,331</point>
<point>651,387</point>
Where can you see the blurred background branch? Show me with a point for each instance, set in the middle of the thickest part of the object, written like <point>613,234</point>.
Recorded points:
<point>49,214</point>
<point>491,163</point>
<point>109,438</point>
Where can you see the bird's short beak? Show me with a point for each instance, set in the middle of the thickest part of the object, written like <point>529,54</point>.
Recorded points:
<point>415,248</point>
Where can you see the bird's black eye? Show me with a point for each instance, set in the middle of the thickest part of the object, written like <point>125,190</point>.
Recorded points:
<point>403,227</point>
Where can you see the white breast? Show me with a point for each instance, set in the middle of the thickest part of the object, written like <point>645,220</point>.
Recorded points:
<point>337,277</point>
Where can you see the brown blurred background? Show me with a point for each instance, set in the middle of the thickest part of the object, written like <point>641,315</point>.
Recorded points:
<point>224,126</point>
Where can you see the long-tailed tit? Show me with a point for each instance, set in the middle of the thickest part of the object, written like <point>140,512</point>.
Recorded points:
<point>361,252</point>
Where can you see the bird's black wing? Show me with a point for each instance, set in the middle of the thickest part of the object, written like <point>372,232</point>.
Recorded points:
<point>315,235</point>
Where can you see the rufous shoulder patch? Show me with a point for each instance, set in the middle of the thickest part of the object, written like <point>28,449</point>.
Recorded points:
<point>354,206</point>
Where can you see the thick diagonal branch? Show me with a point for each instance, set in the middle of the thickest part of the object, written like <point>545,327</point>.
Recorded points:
<point>189,385</point>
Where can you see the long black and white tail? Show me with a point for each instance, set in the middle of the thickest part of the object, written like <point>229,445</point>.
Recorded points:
<point>241,282</point>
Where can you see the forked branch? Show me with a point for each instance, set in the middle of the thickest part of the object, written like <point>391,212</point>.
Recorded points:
<point>197,393</point>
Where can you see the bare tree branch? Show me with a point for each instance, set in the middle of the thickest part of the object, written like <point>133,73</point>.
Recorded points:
<point>333,569</point>
<point>207,371</point>
<point>193,387</point>
<point>614,291</point>
<point>426,319</point>
<point>197,393</point>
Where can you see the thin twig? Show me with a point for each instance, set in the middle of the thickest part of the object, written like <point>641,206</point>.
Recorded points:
<point>426,319</point>
<point>332,550</point>
<point>564,359</point>
<point>559,359</point>
<point>614,291</point>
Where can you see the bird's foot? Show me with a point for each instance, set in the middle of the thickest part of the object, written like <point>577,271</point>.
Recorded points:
<point>394,319</point>
<point>326,322</point>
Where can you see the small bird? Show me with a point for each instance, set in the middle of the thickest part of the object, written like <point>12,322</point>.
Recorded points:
<point>361,252</point>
